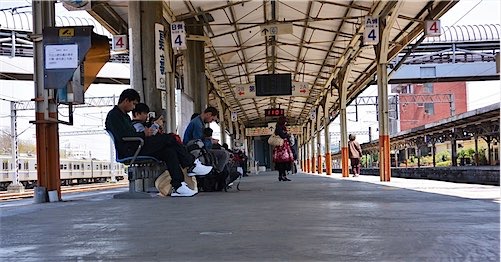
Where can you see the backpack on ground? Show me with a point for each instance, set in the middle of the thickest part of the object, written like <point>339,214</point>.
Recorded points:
<point>212,182</point>
<point>232,169</point>
<point>197,149</point>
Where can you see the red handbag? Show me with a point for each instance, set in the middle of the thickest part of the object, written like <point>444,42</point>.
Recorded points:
<point>283,154</point>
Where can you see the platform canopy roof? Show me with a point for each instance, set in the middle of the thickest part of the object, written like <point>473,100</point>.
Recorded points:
<point>321,38</point>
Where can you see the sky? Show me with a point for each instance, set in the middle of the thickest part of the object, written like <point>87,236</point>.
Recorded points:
<point>464,13</point>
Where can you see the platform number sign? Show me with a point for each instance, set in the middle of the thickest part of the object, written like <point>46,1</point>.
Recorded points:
<point>432,28</point>
<point>371,32</point>
<point>119,42</point>
<point>178,35</point>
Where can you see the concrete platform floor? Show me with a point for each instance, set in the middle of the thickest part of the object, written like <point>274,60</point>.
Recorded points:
<point>312,218</point>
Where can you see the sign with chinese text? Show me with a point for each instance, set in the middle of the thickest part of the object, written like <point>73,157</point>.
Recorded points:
<point>274,112</point>
<point>160,56</point>
<point>61,56</point>
<point>371,32</point>
<point>245,91</point>
<point>300,89</point>
<point>178,35</point>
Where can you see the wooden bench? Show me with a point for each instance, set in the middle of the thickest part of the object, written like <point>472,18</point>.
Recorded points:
<point>142,171</point>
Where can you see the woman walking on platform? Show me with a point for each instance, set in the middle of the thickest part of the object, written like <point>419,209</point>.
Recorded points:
<point>282,155</point>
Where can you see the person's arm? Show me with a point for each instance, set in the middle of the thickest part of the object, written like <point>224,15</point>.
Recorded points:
<point>279,131</point>
<point>197,131</point>
<point>359,148</point>
<point>138,126</point>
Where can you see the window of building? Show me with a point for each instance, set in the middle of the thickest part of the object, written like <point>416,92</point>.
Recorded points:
<point>5,165</point>
<point>26,166</point>
<point>429,108</point>
<point>428,88</point>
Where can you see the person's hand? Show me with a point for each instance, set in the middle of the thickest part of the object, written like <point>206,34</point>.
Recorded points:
<point>148,131</point>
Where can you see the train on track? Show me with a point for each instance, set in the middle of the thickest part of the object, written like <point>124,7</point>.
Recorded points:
<point>72,171</point>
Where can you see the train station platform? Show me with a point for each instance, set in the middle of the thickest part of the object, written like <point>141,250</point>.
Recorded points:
<point>311,218</point>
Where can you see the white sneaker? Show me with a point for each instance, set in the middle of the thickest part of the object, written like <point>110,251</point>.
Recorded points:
<point>183,191</point>
<point>199,169</point>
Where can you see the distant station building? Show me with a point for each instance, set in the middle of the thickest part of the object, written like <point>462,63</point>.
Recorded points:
<point>421,104</point>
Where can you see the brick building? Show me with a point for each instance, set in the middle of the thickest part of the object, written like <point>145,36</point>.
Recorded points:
<point>417,114</point>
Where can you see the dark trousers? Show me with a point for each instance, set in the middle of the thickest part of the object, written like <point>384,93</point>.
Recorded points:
<point>165,147</point>
<point>355,165</point>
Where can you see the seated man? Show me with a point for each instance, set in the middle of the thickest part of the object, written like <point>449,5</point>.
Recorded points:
<point>161,146</point>
<point>153,127</point>
<point>195,130</point>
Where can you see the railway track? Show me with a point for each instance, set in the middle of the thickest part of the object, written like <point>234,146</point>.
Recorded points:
<point>28,193</point>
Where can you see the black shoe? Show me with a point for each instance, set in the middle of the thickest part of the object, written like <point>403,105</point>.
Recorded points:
<point>286,179</point>
<point>280,178</point>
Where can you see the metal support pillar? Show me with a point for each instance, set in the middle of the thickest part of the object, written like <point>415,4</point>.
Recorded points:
<point>383,107</point>
<point>143,15</point>
<point>395,157</point>
<point>170,84</point>
<point>319,154</point>
<point>454,155</point>
<point>48,171</point>
<point>313,146</point>
<point>15,186</point>
<point>222,122</point>
<point>434,152</point>
<point>345,170</point>
<point>476,150</point>
<point>307,147</point>
<point>194,73</point>
<point>328,157</point>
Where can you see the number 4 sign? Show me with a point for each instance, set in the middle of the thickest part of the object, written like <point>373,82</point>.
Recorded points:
<point>119,42</point>
<point>432,28</point>
<point>178,35</point>
<point>371,32</point>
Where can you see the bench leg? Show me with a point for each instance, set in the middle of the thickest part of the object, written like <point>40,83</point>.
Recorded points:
<point>132,193</point>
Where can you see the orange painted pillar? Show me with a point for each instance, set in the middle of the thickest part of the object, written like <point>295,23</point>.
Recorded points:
<point>48,169</point>
<point>384,163</point>
<point>344,162</point>
<point>320,170</point>
<point>307,169</point>
<point>313,166</point>
<point>328,163</point>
